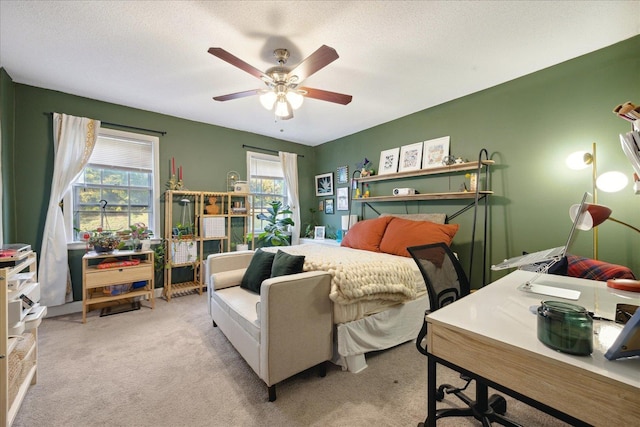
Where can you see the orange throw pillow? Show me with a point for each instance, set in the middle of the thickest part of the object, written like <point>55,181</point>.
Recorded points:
<point>367,234</point>
<point>403,233</point>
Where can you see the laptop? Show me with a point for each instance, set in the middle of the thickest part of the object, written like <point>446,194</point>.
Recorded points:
<point>550,256</point>
<point>546,255</point>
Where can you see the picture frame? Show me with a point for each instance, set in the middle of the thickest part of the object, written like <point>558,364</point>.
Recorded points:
<point>342,195</point>
<point>324,184</point>
<point>328,207</point>
<point>343,175</point>
<point>389,161</point>
<point>434,152</point>
<point>321,206</point>
<point>410,157</point>
<point>319,232</point>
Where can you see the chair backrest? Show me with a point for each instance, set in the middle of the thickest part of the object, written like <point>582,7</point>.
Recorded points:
<point>443,275</point>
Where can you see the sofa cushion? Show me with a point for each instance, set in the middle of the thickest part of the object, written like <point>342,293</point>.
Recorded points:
<point>258,270</point>
<point>240,305</point>
<point>367,234</point>
<point>285,264</point>
<point>403,233</point>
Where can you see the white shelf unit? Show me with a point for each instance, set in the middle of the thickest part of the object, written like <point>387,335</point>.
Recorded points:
<point>18,334</point>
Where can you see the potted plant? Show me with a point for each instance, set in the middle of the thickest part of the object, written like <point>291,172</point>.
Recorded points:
<point>103,241</point>
<point>274,232</point>
<point>137,232</point>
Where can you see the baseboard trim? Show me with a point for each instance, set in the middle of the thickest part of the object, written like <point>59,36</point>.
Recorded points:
<point>76,306</point>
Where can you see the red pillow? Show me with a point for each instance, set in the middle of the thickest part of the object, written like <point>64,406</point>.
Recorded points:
<point>403,233</point>
<point>367,234</point>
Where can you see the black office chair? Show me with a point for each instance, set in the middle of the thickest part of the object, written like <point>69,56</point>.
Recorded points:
<point>446,282</point>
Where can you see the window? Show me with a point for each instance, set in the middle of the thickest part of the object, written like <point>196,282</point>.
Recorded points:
<point>123,171</point>
<point>266,183</point>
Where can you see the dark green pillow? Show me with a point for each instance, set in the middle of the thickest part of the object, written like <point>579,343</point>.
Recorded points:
<point>259,269</point>
<point>284,264</point>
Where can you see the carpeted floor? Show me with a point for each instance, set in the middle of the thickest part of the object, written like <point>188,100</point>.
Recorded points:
<point>170,367</point>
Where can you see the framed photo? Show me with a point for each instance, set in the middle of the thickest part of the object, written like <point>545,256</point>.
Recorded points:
<point>319,233</point>
<point>343,199</point>
<point>410,157</point>
<point>328,207</point>
<point>324,184</point>
<point>434,152</point>
<point>389,161</point>
<point>320,205</point>
<point>343,174</point>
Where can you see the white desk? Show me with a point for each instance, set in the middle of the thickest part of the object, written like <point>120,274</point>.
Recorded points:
<point>493,334</point>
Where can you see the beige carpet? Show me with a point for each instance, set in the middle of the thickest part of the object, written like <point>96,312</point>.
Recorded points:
<point>170,367</point>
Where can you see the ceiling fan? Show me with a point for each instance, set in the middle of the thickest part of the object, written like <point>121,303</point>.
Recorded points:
<point>283,95</point>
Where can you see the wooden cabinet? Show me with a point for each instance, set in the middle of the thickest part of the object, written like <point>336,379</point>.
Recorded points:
<point>197,224</point>
<point>21,314</point>
<point>105,281</point>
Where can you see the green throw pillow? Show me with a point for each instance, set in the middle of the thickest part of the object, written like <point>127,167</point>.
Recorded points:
<point>259,269</point>
<point>284,264</point>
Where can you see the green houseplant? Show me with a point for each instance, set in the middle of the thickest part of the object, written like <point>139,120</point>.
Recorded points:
<point>274,233</point>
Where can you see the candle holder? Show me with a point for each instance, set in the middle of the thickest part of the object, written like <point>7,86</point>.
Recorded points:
<point>175,184</point>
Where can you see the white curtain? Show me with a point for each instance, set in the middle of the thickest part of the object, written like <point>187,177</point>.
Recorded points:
<point>290,168</point>
<point>73,142</point>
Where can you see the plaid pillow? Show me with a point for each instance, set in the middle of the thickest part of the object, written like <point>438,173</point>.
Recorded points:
<point>587,268</point>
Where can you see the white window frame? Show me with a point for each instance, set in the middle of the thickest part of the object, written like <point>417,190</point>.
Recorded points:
<point>272,158</point>
<point>155,148</point>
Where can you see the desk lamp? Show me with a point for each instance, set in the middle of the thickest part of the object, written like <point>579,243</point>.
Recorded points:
<point>593,216</point>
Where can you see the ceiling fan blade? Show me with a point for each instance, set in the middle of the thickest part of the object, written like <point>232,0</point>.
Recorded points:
<point>325,95</point>
<point>319,59</point>
<point>237,62</point>
<point>237,95</point>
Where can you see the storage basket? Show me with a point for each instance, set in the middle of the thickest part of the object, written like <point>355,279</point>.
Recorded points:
<point>183,252</point>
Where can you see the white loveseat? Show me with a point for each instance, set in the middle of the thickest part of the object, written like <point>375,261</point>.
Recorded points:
<point>282,331</point>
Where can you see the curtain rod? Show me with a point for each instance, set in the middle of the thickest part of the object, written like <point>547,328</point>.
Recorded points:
<point>163,133</point>
<point>265,149</point>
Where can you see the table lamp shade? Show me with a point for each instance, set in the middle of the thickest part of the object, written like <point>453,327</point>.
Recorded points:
<point>593,216</point>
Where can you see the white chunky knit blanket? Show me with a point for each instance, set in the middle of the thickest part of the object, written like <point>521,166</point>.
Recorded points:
<point>360,275</point>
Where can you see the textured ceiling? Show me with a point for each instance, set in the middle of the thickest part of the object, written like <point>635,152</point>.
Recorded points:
<point>396,57</point>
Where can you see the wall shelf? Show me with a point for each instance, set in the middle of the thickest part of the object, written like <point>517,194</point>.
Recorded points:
<point>476,197</point>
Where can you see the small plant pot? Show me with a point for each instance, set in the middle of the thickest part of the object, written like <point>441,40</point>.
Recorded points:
<point>242,247</point>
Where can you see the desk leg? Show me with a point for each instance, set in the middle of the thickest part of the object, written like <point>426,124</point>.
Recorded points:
<point>432,389</point>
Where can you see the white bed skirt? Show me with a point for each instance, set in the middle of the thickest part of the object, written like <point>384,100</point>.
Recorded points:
<point>379,331</point>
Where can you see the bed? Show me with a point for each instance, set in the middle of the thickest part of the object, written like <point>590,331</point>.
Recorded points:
<point>378,294</point>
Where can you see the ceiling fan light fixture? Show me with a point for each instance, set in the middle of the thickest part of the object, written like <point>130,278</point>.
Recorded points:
<point>268,99</point>
<point>283,109</point>
<point>295,99</point>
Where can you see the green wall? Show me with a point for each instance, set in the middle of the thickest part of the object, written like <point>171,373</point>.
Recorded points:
<point>205,152</point>
<point>529,126</point>
<point>7,97</point>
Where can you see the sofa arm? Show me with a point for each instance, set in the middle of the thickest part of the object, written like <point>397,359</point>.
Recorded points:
<point>226,262</point>
<point>296,324</point>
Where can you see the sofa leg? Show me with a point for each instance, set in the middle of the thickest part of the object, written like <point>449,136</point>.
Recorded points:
<point>272,393</point>
<point>322,369</point>
<point>215,325</point>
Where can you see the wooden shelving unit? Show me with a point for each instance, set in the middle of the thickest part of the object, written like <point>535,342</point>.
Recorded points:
<point>18,335</point>
<point>475,197</point>
<point>190,251</point>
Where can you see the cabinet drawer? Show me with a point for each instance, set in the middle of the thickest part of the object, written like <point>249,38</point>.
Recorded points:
<point>114,276</point>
